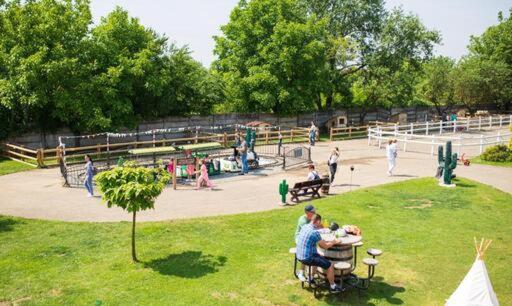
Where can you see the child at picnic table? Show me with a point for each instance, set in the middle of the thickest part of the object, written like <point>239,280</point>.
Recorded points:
<point>203,176</point>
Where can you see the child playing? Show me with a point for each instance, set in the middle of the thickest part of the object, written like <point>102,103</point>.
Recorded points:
<point>203,176</point>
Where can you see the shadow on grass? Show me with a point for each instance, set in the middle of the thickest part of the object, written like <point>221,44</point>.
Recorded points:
<point>464,185</point>
<point>188,264</point>
<point>6,224</point>
<point>379,293</point>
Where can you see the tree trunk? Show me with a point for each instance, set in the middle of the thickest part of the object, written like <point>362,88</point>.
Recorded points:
<point>319,102</point>
<point>134,254</point>
<point>328,100</point>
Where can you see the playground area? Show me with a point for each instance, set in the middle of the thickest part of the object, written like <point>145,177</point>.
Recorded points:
<point>39,193</point>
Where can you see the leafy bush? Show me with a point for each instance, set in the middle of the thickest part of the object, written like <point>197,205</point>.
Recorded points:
<point>499,153</point>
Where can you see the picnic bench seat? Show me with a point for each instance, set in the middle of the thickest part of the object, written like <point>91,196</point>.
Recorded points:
<point>307,188</point>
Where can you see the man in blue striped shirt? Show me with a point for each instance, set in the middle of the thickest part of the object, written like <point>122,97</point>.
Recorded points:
<point>307,242</point>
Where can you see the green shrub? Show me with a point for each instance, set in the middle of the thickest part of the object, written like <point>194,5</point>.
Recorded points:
<point>499,153</point>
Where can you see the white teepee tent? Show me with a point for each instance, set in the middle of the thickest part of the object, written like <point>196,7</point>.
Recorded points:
<point>476,288</point>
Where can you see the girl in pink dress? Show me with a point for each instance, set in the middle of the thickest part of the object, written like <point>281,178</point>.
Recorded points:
<point>203,177</point>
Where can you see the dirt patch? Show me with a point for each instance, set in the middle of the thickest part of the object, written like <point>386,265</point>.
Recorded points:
<point>20,301</point>
<point>360,161</point>
<point>423,203</point>
<point>55,292</point>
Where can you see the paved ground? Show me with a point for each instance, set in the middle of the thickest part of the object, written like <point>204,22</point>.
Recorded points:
<point>38,193</point>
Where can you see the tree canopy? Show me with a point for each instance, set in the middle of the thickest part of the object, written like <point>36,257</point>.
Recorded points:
<point>58,69</point>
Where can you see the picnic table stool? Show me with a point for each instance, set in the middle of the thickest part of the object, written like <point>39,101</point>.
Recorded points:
<point>374,252</point>
<point>295,263</point>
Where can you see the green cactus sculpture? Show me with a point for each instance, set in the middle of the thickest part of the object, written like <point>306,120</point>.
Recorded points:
<point>120,161</point>
<point>283,190</point>
<point>447,163</point>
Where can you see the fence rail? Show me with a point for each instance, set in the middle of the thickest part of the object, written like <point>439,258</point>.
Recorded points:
<point>432,133</point>
<point>107,151</point>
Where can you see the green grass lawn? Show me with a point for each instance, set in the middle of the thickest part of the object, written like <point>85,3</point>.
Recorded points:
<point>11,166</point>
<point>425,231</point>
<point>479,160</point>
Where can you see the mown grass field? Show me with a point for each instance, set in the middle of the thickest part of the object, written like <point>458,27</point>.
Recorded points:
<point>425,231</point>
<point>8,166</point>
<point>479,160</point>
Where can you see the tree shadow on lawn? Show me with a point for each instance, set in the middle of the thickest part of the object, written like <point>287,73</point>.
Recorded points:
<point>188,264</point>
<point>379,291</point>
<point>6,224</point>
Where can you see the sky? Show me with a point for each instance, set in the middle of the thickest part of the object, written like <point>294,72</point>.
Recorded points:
<point>195,22</point>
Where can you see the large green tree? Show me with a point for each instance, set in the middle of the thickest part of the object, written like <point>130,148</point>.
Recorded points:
<point>353,27</point>
<point>272,57</point>
<point>40,68</point>
<point>479,81</point>
<point>392,69</point>
<point>436,85</point>
<point>492,53</point>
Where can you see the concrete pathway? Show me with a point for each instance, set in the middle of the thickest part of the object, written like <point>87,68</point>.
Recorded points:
<point>38,193</point>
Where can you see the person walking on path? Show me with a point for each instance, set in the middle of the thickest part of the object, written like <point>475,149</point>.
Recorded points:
<point>391,153</point>
<point>312,134</point>
<point>333,163</point>
<point>89,174</point>
<point>243,156</point>
<point>203,176</point>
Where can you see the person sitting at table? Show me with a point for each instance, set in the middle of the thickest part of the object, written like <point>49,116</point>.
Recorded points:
<point>309,212</point>
<point>307,254</point>
<point>313,175</point>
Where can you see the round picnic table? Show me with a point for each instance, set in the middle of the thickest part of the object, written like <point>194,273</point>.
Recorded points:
<point>340,252</point>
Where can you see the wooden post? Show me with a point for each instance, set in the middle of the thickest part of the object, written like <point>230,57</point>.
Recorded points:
<point>412,128</point>
<point>154,143</point>
<point>490,121</point>
<point>350,132</point>
<point>479,123</point>
<point>197,133</point>
<point>40,158</point>
<point>266,137</point>
<point>330,133</point>
<point>501,121</point>
<point>196,160</point>
<point>426,128</point>
<point>440,127</point>
<point>108,151</point>
<point>455,126</point>
<point>291,135</point>
<point>467,124</point>
<point>175,162</point>
<point>225,140</point>
<point>98,151</point>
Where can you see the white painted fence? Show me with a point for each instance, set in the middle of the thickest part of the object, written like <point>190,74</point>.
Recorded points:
<point>430,133</point>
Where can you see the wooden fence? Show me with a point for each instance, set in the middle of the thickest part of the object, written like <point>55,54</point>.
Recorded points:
<point>354,132</point>
<point>105,151</point>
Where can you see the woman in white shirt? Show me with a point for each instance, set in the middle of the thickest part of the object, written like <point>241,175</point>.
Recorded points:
<point>391,155</point>
<point>333,163</point>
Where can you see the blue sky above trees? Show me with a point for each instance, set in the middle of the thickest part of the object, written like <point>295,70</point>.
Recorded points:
<point>194,22</point>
